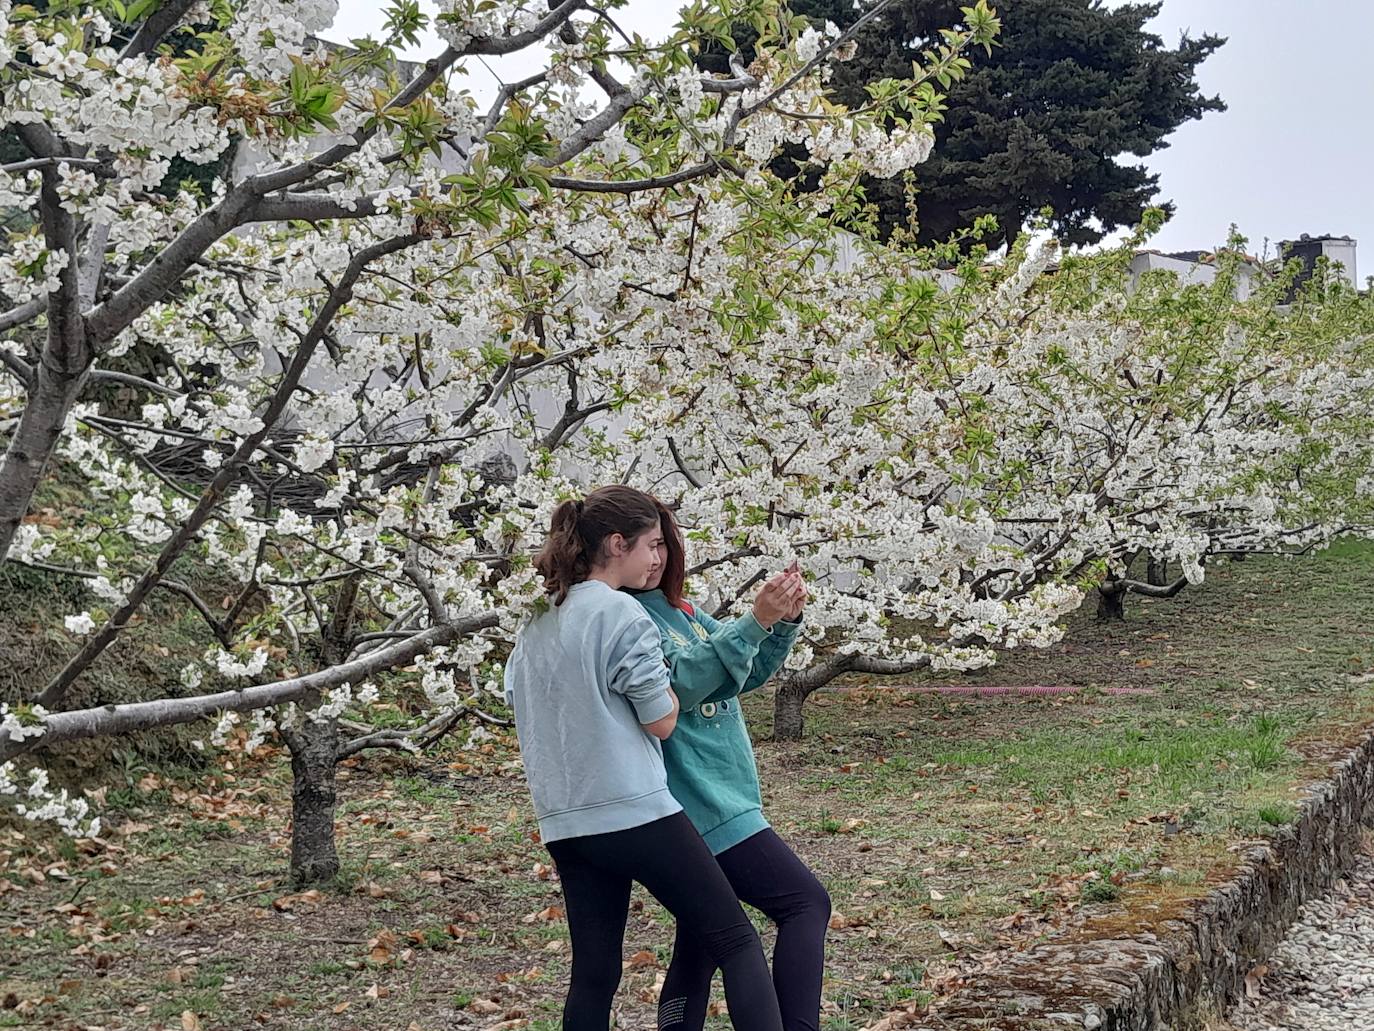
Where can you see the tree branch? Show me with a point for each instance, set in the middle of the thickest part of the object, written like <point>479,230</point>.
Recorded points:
<point>175,586</point>
<point>1149,590</point>
<point>418,737</point>
<point>657,182</point>
<point>25,312</point>
<point>107,720</point>
<point>282,178</point>
<point>825,52</point>
<point>681,465</point>
<point>22,369</point>
<point>155,26</point>
<point>102,169</point>
<point>339,295</point>
<point>109,319</point>
<point>238,206</point>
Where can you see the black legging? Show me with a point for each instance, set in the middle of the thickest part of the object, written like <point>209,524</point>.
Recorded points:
<point>669,858</point>
<point>767,875</point>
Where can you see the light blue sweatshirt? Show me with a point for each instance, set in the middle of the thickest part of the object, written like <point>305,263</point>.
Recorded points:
<point>583,678</point>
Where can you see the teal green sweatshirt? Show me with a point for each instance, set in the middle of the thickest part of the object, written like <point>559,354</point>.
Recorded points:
<point>709,757</point>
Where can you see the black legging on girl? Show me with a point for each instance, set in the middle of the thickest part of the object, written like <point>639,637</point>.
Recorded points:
<point>669,858</point>
<point>767,875</point>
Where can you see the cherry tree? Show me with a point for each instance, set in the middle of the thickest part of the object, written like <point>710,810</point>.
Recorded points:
<point>956,456</point>
<point>1186,422</point>
<point>344,355</point>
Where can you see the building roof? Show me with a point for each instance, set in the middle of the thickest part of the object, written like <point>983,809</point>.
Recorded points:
<point>1197,257</point>
<point>1306,238</point>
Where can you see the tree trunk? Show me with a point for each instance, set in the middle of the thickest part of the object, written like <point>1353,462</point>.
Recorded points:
<point>787,707</point>
<point>314,752</point>
<point>1111,601</point>
<point>50,398</point>
<point>1157,572</point>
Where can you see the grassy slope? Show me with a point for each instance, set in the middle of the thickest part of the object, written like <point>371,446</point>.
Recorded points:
<point>946,829</point>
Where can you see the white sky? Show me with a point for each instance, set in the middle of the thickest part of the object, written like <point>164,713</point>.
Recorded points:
<point>1291,155</point>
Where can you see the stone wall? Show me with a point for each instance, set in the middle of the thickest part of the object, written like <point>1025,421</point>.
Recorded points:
<point>1183,958</point>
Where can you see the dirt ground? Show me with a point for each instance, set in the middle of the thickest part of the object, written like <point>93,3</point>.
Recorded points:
<point>947,829</point>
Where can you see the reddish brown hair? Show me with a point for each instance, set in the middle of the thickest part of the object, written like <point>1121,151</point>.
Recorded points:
<point>578,532</point>
<point>674,558</point>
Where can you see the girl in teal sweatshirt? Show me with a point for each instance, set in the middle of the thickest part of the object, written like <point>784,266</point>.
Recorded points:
<point>711,772</point>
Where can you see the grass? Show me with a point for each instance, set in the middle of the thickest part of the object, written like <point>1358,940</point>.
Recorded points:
<point>947,829</point>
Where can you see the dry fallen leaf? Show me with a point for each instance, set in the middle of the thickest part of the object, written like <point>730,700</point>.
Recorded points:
<point>840,922</point>
<point>380,948</point>
<point>547,916</point>
<point>189,1021</point>
<point>642,958</point>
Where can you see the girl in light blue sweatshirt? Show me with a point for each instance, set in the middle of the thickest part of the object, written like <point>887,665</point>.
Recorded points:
<point>711,771</point>
<point>589,685</point>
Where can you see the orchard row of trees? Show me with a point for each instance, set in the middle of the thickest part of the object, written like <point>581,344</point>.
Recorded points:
<point>365,372</point>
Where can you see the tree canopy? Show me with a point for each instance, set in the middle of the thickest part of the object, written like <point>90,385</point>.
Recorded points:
<point>1051,118</point>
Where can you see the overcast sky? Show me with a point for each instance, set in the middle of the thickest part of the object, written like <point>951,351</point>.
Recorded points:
<point>1290,156</point>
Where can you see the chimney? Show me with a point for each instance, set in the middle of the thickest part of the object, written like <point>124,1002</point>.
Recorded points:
<point>1339,250</point>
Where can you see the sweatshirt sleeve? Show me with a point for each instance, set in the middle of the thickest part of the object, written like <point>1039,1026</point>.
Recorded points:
<point>636,668</point>
<point>772,654</point>
<point>717,667</point>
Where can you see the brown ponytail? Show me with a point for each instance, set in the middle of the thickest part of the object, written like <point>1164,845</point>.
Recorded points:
<point>578,532</point>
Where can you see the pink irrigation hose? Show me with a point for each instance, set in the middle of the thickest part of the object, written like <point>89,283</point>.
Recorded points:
<point>1033,690</point>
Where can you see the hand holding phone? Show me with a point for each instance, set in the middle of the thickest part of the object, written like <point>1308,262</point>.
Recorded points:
<point>797,594</point>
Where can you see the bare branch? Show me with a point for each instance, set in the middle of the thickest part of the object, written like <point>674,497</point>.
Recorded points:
<point>41,142</point>
<point>61,369</point>
<point>175,586</point>
<point>657,182</point>
<point>837,665</point>
<point>25,312</point>
<point>102,169</point>
<point>681,465</point>
<point>311,207</point>
<point>416,738</point>
<point>17,365</point>
<point>155,26</point>
<point>438,611</point>
<point>107,720</point>
<point>130,380</point>
<point>824,53</point>
<point>1149,590</point>
<point>594,128</point>
<point>509,90</point>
